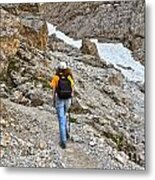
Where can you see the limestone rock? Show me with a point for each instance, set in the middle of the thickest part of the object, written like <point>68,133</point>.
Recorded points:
<point>2,152</point>
<point>107,111</point>
<point>42,145</point>
<point>116,79</point>
<point>36,30</point>
<point>3,122</point>
<point>36,101</point>
<point>89,47</point>
<point>19,8</point>
<point>78,107</point>
<point>56,44</point>
<point>30,7</point>
<point>3,91</point>
<point>9,36</point>
<point>92,143</point>
<point>92,60</point>
<point>122,157</point>
<point>6,139</point>
<point>121,21</point>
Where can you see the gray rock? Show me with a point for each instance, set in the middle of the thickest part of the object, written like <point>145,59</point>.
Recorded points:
<point>122,157</point>
<point>42,145</point>
<point>92,143</point>
<point>89,48</point>
<point>107,112</point>
<point>108,22</point>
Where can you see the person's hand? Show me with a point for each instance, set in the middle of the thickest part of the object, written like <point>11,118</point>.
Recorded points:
<point>54,103</point>
<point>72,94</point>
<point>54,98</point>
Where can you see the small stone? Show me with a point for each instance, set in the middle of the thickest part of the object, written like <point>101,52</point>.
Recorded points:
<point>12,120</point>
<point>14,142</point>
<point>42,145</point>
<point>54,165</point>
<point>3,122</point>
<point>97,135</point>
<point>40,107</point>
<point>13,125</point>
<point>76,138</point>
<point>17,128</point>
<point>17,95</point>
<point>122,157</point>
<point>102,140</point>
<point>101,145</point>
<point>39,85</point>
<point>92,143</point>
<point>36,101</point>
<point>1,152</point>
<point>6,139</point>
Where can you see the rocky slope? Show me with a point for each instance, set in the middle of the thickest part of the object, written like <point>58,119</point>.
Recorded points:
<point>107,116</point>
<point>110,21</point>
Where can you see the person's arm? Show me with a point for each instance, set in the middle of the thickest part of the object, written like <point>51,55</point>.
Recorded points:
<point>53,85</point>
<point>72,91</point>
<point>54,98</point>
<point>72,84</point>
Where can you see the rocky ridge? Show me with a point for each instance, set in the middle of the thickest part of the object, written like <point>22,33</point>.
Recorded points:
<point>108,21</point>
<point>107,116</point>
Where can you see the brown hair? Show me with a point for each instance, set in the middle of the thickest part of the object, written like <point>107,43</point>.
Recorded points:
<point>66,72</point>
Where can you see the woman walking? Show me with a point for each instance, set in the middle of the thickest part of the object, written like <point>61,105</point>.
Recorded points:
<point>63,89</point>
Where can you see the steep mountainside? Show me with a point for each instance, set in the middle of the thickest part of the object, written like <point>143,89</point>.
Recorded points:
<point>110,21</point>
<point>107,115</point>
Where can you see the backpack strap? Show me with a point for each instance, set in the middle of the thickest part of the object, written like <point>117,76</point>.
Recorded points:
<point>60,75</point>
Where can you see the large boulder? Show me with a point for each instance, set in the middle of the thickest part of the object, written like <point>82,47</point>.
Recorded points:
<point>89,47</point>
<point>138,47</point>
<point>115,79</point>
<point>56,44</point>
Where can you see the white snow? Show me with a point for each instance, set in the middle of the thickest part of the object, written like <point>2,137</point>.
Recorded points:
<point>116,54</point>
<point>62,36</point>
<point>121,58</point>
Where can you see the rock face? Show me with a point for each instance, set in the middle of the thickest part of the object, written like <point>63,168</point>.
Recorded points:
<point>110,21</point>
<point>29,25</point>
<point>89,48</point>
<point>34,32</point>
<point>9,34</point>
<point>16,29</point>
<point>116,79</point>
<point>30,7</point>
<point>9,38</point>
<point>17,9</point>
<point>107,114</point>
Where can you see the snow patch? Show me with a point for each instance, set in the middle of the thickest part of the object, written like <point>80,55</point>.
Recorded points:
<point>62,36</point>
<point>121,58</point>
<point>116,54</point>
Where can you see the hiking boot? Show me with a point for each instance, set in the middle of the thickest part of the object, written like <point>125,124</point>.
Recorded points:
<point>67,135</point>
<point>63,145</point>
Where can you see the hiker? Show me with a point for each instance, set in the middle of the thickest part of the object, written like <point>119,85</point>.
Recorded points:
<point>62,84</point>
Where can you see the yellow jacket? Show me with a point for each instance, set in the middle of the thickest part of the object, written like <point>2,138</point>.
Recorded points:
<point>55,79</point>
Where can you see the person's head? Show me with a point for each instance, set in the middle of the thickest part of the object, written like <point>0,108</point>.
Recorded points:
<point>62,66</point>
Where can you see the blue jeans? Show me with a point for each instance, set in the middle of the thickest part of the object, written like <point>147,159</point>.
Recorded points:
<point>62,106</point>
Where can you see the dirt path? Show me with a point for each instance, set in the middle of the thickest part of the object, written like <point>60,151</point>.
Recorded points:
<point>71,157</point>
